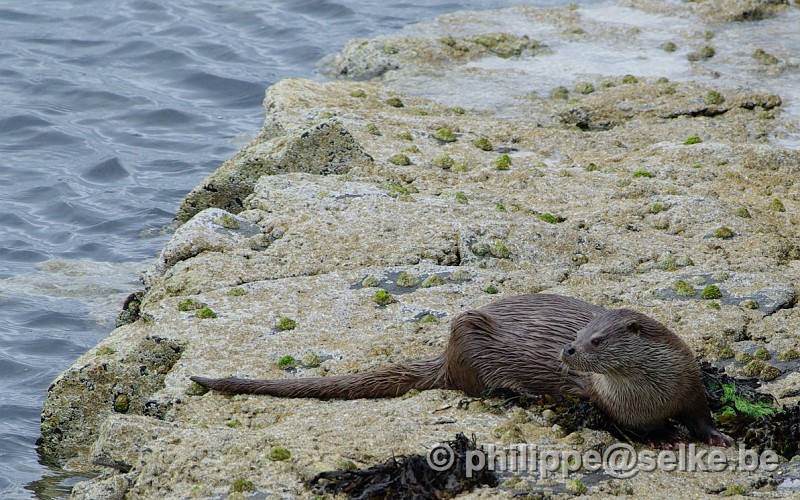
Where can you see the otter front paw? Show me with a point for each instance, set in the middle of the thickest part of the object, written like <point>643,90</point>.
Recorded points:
<point>716,438</point>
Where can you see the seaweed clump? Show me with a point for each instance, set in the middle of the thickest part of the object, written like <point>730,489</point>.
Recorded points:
<point>752,418</point>
<point>407,477</point>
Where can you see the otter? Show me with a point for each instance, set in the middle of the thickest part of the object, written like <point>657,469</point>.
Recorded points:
<point>632,367</point>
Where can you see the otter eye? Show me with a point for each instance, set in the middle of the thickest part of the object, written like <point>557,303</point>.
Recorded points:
<point>597,341</point>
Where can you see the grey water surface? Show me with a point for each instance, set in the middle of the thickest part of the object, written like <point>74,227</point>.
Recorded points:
<point>110,111</point>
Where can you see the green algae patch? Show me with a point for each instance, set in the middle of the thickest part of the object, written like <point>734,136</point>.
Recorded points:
<point>754,368</point>
<point>410,393</point>
<point>765,57</point>
<point>743,212</point>
<point>725,353</point>
<point>629,79</point>
<point>762,354</point>
<point>642,173</point>
<point>360,94</point>
<point>196,389</point>
<point>432,281</point>
<point>770,372</point>
<point>723,233</point>
<point>559,93</point>
<point>743,358</point>
<point>105,351</point>
<point>749,304</point>
<point>402,192</point>
<point>713,98</point>
<point>287,363</point>
<point>444,162</point>
<point>659,207</point>
<point>405,136</point>
<point>711,292</point>
<point>236,292</point>
<point>668,264</point>
<point>407,280</point>
<point>279,454</point>
<point>735,490</point>
<point>483,143</point>
<point>122,403</point>
<point>311,360</point>
<point>776,205</point>
<point>584,88</point>
<point>706,52</point>
<point>479,249</point>
<point>383,298</point>
<point>669,47</point>
<point>684,289</point>
<point>461,275</point>
<point>502,162</point>
<point>692,139</point>
<point>372,129</point>
<point>370,281</point>
<point>789,355</point>
<point>285,324</point>
<point>445,134</point>
<point>189,305</point>
<point>491,289</point>
<point>227,221</point>
<point>549,218</point>
<point>400,159</point>
<point>500,250</point>
<point>205,313</point>
<point>241,485</point>
<point>576,487</point>
<point>395,102</point>
<point>428,318</point>
<point>461,198</point>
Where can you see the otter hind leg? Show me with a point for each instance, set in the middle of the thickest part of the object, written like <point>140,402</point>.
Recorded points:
<point>471,335</point>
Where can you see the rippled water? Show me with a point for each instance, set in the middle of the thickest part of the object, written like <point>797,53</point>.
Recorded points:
<point>111,112</point>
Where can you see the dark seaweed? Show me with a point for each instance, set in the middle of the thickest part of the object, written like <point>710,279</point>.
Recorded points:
<point>406,477</point>
<point>778,431</point>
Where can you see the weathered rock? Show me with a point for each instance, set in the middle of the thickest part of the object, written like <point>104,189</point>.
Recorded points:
<point>365,59</point>
<point>122,381</point>
<point>302,219</point>
<point>326,148</point>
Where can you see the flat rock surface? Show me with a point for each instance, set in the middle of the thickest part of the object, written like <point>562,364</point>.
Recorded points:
<point>602,196</point>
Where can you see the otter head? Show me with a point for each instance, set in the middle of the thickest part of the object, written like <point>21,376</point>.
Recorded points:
<point>609,344</point>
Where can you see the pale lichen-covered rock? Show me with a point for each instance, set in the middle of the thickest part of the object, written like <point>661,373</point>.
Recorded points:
<point>105,381</point>
<point>616,217</point>
<point>364,59</point>
<point>326,148</point>
<point>722,11</point>
<point>212,230</point>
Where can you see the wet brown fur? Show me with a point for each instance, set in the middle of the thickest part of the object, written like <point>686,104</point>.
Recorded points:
<point>640,374</point>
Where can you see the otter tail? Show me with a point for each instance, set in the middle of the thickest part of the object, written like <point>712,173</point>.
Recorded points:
<point>391,381</point>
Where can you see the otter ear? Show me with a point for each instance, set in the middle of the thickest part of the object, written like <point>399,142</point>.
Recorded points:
<point>633,326</point>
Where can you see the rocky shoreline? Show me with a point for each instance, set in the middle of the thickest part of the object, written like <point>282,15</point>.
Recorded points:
<point>671,197</point>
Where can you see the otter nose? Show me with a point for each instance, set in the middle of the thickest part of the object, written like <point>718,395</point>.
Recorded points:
<point>569,350</point>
